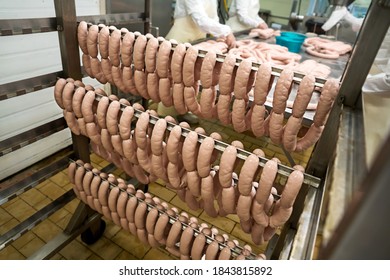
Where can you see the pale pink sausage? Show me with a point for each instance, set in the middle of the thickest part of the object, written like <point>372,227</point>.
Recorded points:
<point>104,36</point>
<point>190,151</point>
<point>139,53</point>
<point>77,101</point>
<point>87,107</point>
<point>190,101</point>
<point>247,174</point>
<point>264,80</point>
<point>282,91</point>
<point>226,166</point>
<point>58,90</point>
<point>127,48</point>
<point>130,212</point>
<point>86,61</point>
<point>128,80</point>
<point>238,115</point>
<point>112,204</point>
<point>160,228</point>
<point>227,76</point>
<point>329,54</point>
<point>310,138</point>
<point>244,80</point>
<point>276,127</point>
<point>174,234</point>
<point>106,69</point>
<point>223,109</point>
<point>178,98</point>
<point>102,111</point>
<point>207,194</point>
<point>67,96</point>
<point>257,120</point>
<point>158,136</point>
<point>71,121</point>
<point>112,117</point>
<point>327,97</point>
<point>305,91</point>
<point>198,246</point>
<point>284,206</point>
<point>125,122</point>
<point>206,150</point>
<point>82,34</point>
<point>141,130</point>
<point>177,63</point>
<point>92,40</point>
<point>228,196</point>
<point>186,241</point>
<point>290,133</point>
<point>173,144</point>
<point>189,66</point>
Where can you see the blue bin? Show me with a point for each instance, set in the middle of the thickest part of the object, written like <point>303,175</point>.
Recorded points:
<point>293,41</point>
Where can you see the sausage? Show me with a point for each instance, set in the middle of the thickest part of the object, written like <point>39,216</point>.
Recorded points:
<point>206,150</point>
<point>327,97</point>
<point>71,121</point>
<point>92,40</point>
<point>160,228</point>
<point>67,96</point>
<point>208,73</point>
<point>323,54</point>
<point>310,138</point>
<point>247,174</point>
<point>141,130</point>
<point>139,65</point>
<point>82,34</point>
<point>151,220</point>
<point>198,246</point>
<point>87,180</point>
<point>162,67</point>
<point>140,222</point>
<point>112,205</point>
<point>174,234</point>
<point>190,199</point>
<point>244,204</point>
<point>282,91</point>
<point>190,101</point>
<point>238,115</point>
<point>125,122</point>
<point>190,151</point>
<point>276,127</point>
<point>227,76</point>
<point>87,106</point>
<point>127,49</point>
<point>244,80</point>
<point>263,84</point>
<point>303,97</point>
<point>58,91</point>
<point>207,194</point>
<point>112,117</point>
<point>77,101</point>
<point>186,240</point>
<point>173,144</point>
<point>223,108</point>
<point>130,149</point>
<point>104,37</point>
<point>290,133</point>
<point>284,206</point>
<point>177,63</point>
<point>228,196</point>
<point>226,167</point>
<point>101,111</point>
<point>150,68</point>
<point>189,66</point>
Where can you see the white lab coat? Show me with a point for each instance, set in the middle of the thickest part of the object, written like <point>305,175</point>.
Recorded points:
<point>194,19</point>
<point>243,14</point>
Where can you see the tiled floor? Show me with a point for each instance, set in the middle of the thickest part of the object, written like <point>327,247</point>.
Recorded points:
<point>116,243</point>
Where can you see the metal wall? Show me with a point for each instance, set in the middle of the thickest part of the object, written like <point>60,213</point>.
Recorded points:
<point>162,12</point>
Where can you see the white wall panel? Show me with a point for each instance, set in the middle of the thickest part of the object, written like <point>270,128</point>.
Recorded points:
<point>26,56</point>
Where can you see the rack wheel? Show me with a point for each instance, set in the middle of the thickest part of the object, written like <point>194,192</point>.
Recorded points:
<point>89,237</point>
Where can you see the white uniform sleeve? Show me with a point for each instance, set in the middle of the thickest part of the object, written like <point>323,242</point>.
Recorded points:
<point>206,24</point>
<point>243,16</point>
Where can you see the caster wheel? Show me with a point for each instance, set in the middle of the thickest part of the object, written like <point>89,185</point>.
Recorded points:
<point>89,237</point>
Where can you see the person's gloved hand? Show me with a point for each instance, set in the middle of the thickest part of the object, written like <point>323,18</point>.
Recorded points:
<point>356,23</point>
<point>230,40</point>
<point>334,18</point>
<point>262,25</point>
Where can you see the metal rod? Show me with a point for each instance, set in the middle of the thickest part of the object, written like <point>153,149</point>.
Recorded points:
<point>221,146</point>
<point>109,19</point>
<point>235,251</point>
<point>10,27</point>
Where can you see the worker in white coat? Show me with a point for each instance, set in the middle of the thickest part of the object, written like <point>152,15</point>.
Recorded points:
<point>194,19</point>
<point>243,14</point>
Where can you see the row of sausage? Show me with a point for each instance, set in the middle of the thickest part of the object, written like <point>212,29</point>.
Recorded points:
<point>174,79</point>
<point>148,152</point>
<point>148,217</point>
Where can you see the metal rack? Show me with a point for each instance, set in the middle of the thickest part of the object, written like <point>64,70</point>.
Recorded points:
<point>84,219</point>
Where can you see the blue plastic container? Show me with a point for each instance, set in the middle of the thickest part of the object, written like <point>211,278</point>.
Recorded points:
<point>294,35</point>
<point>292,40</point>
